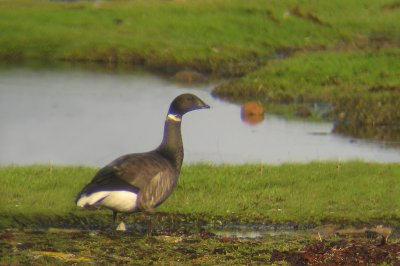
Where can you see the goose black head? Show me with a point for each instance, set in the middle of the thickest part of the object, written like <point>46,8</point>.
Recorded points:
<point>185,103</point>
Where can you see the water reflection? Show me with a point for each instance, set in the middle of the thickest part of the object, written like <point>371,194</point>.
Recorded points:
<point>85,117</point>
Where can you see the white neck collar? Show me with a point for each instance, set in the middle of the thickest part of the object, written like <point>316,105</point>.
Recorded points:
<point>175,118</point>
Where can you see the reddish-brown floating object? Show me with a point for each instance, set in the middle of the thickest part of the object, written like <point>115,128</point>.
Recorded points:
<point>252,112</point>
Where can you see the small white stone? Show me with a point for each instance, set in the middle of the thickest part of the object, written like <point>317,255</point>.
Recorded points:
<point>121,227</point>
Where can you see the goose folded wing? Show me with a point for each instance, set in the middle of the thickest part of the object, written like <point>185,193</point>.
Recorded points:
<point>154,175</point>
<point>107,179</point>
<point>138,170</point>
<point>157,191</point>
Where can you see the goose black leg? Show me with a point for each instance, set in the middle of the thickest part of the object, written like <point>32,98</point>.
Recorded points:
<point>149,215</point>
<point>114,216</point>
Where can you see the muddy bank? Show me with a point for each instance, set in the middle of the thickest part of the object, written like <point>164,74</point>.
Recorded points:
<point>340,252</point>
<point>176,222</point>
<point>191,239</point>
<point>207,247</point>
<point>368,119</point>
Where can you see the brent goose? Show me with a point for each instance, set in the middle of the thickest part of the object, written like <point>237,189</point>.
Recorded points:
<point>142,181</point>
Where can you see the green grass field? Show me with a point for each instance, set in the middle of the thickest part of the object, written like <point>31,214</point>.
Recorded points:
<point>228,37</point>
<point>313,193</point>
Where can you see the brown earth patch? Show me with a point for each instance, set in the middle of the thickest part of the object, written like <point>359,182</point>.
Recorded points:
<point>383,88</point>
<point>391,6</point>
<point>342,252</point>
<point>189,76</point>
<point>307,16</point>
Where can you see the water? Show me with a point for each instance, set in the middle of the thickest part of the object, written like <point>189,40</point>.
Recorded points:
<point>66,116</point>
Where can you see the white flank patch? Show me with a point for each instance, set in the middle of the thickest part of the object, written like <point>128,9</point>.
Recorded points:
<point>91,199</point>
<point>121,201</point>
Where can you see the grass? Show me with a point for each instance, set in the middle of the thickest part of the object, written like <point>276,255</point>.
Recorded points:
<point>225,37</point>
<point>150,32</point>
<point>323,75</point>
<point>314,193</point>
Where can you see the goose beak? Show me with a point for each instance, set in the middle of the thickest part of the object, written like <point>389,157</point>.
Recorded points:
<point>202,105</point>
<point>205,106</point>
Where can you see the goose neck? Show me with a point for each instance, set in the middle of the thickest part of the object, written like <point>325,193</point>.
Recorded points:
<point>171,146</point>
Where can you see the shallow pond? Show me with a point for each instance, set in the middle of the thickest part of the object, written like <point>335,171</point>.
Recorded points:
<point>87,117</point>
